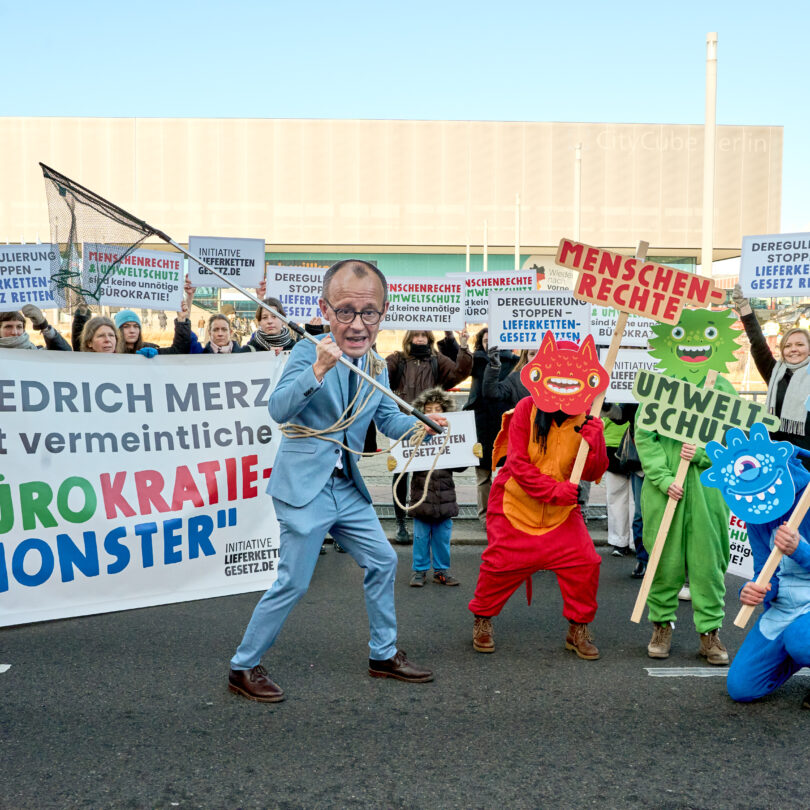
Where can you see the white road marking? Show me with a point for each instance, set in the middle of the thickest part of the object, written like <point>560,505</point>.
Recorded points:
<point>698,672</point>
<point>4,668</point>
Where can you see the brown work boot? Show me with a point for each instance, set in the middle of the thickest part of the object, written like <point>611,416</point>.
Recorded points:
<point>483,634</point>
<point>255,684</point>
<point>661,641</point>
<point>579,640</point>
<point>712,649</point>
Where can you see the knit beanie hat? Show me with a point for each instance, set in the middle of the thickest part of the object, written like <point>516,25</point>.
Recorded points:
<point>125,316</point>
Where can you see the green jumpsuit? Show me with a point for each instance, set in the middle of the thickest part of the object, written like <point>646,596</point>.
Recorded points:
<point>698,537</point>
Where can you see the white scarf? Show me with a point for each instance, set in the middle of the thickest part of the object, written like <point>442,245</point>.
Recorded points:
<point>17,342</point>
<point>226,349</point>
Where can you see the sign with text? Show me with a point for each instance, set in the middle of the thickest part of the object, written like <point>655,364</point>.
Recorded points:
<point>637,332</point>
<point>25,276</point>
<point>131,482</point>
<point>552,277</point>
<point>633,285</point>
<point>425,303</point>
<point>775,265</point>
<point>521,320</point>
<point>477,287</point>
<point>298,289</point>
<point>458,453</point>
<point>147,279</point>
<point>239,260</point>
<point>628,363</point>
<point>687,413</point>
<point>741,560</point>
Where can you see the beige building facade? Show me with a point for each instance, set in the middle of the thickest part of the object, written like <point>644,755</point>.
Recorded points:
<point>334,187</point>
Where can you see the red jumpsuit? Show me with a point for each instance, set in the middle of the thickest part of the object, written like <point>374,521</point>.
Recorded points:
<point>532,523</point>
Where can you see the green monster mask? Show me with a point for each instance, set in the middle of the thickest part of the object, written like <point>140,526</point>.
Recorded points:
<point>702,340</point>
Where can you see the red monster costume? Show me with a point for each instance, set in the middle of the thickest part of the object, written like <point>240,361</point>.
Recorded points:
<point>533,521</point>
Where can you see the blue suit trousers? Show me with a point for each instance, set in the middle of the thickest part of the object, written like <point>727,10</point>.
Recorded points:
<point>340,510</point>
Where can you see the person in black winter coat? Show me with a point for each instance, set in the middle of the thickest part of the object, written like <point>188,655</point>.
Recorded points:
<point>14,336</point>
<point>221,337</point>
<point>488,412</point>
<point>433,518</point>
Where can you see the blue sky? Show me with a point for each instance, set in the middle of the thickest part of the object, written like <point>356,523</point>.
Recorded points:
<point>511,60</point>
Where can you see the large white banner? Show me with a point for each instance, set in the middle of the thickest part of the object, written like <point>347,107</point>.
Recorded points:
<point>478,286</point>
<point>298,289</point>
<point>240,260</point>
<point>25,276</point>
<point>520,320</point>
<point>129,482</point>
<point>775,265</point>
<point>425,303</point>
<point>147,279</point>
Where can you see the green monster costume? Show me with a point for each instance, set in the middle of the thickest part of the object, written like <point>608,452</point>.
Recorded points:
<point>698,537</point>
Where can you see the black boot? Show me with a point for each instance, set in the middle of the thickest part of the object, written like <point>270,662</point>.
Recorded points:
<point>402,538</point>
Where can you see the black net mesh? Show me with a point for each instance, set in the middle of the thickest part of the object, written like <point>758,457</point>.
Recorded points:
<point>79,216</point>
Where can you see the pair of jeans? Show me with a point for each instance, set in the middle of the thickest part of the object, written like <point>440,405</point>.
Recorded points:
<point>431,538</point>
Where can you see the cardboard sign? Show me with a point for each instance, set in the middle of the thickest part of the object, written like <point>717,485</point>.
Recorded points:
<point>634,285</point>
<point>564,377</point>
<point>146,279</point>
<point>741,560</point>
<point>752,474</point>
<point>628,363</point>
<point>458,453</point>
<point>477,287</point>
<point>298,289</point>
<point>25,275</point>
<point>520,320</point>
<point>425,303</point>
<point>693,415</point>
<point>637,332</point>
<point>775,265</point>
<point>240,260</point>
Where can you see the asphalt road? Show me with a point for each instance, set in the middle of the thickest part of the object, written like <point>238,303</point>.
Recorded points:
<point>131,710</point>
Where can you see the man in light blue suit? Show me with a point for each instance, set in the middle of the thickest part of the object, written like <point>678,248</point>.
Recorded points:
<point>317,487</point>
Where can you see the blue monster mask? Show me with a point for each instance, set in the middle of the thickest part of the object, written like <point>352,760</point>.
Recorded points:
<point>752,474</point>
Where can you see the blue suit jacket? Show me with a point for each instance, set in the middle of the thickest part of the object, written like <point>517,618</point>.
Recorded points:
<point>303,466</point>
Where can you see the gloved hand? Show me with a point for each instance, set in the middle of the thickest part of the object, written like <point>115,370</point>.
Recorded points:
<point>34,314</point>
<point>740,302</point>
<point>148,351</point>
<point>565,493</point>
<point>591,429</point>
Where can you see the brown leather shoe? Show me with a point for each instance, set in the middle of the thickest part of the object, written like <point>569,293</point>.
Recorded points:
<point>255,684</point>
<point>399,667</point>
<point>580,641</point>
<point>483,634</point>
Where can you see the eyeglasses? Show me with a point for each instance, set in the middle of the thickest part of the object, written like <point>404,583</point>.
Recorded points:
<point>347,315</point>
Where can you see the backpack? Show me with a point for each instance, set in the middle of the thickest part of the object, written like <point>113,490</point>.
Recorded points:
<point>434,367</point>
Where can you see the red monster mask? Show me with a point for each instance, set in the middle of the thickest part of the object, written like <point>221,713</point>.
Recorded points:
<point>564,376</point>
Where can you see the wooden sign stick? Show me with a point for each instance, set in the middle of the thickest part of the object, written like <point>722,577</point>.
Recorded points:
<point>663,529</point>
<point>610,361</point>
<point>775,557</point>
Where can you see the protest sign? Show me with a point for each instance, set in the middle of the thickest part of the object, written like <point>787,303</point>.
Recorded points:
<point>25,276</point>
<point>459,451</point>
<point>628,363</point>
<point>775,265</point>
<point>147,279</point>
<point>552,277</point>
<point>520,320</point>
<point>637,332</point>
<point>298,289</point>
<point>686,413</point>
<point>633,285</point>
<point>240,260</point>
<point>741,560</point>
<point>425,303</point>
<point>477,287</point>
<point>129,482</point>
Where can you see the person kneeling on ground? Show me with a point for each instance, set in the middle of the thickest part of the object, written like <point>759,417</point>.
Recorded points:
<point>534,522</point>
<point>778,645</point>
<point>433,518</point>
